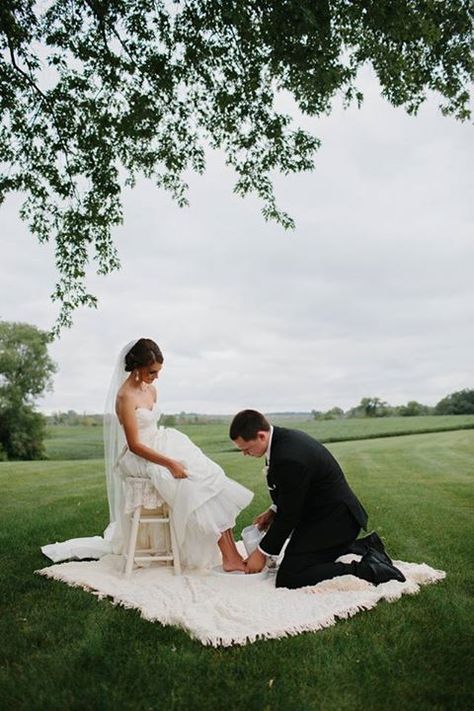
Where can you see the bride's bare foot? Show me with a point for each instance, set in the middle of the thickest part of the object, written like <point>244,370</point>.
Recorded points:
<point>231,558</point>
<point>234,564</point>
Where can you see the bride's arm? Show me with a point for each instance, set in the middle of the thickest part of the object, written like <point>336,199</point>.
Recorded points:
<point>128,418</point>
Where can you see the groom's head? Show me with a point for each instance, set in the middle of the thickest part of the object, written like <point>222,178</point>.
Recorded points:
<point>250,432</point>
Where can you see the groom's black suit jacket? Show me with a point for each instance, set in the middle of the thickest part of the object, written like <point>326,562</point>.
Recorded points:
<point>314,501</point>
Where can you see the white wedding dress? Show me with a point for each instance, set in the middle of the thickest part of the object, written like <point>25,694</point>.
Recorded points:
<point>203,505</point>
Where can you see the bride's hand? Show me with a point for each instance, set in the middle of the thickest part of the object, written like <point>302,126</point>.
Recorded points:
<point>177,469</point>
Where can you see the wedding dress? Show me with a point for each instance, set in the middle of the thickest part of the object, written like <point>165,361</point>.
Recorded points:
<point>203,505</point>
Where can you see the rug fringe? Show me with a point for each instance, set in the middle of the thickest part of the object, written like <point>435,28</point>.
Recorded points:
<point>221,615</point>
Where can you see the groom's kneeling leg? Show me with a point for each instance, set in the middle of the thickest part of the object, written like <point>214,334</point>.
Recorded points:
<point>300,569</point>
<point>311,576</point>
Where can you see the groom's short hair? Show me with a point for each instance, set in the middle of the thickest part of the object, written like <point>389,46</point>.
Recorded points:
<point>246,424</point>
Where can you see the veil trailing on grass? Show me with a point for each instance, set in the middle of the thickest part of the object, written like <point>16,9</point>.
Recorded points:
<point>114,442</point>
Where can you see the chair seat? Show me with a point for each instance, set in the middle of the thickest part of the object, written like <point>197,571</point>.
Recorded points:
<point>143,558</point>
<point>140,491</point>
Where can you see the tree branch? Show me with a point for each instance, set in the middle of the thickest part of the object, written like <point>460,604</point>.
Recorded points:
<point>47,103</point>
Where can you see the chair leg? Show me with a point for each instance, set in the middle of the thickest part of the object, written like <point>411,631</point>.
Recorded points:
<point>132,541</point>
<point>174,548</point>
<point>167,531</point>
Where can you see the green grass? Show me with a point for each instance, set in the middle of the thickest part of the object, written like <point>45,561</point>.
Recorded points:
<point>64,649</point>
<point>85,442</point>
<point>373,427</point>
<point>74,442</point>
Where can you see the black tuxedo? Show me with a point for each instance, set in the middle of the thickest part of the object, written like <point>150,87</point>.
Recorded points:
<point>315,505</point>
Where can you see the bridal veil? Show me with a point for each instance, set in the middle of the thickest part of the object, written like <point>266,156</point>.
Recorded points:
<point>114,442</point>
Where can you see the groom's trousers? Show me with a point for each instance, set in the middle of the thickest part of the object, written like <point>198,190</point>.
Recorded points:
<point>300,569</point>
<point>301,566</point>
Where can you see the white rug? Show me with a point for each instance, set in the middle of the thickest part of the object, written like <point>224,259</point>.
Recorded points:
<point>222,610</point>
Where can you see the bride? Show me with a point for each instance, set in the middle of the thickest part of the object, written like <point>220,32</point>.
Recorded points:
<point>204,501</point>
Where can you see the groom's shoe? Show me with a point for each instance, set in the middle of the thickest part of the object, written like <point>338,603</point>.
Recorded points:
<point>374,568</point>
<point>373,541</point>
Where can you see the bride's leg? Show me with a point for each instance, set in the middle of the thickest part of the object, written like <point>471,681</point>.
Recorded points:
<point>231,558</point>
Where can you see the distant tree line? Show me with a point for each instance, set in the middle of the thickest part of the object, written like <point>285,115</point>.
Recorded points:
<point>26,371</point>
<point>73,418</point>
<point>458,403</point>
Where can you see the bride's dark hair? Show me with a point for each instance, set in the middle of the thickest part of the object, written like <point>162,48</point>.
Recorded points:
<point>143,353</point>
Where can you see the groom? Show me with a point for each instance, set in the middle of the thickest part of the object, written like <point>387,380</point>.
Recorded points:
<point>312,503</point>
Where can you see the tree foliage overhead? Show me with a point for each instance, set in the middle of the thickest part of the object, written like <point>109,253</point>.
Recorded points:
<point>96,93</point>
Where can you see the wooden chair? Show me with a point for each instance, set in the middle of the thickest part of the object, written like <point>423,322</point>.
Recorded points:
<point>146,507</point>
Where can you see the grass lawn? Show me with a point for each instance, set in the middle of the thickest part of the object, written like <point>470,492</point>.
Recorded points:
<point>85,442</point>
<point>64,649</point>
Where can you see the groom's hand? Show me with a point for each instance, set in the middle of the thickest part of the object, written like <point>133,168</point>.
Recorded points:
<point>264,520</point>
<point>256,562</point>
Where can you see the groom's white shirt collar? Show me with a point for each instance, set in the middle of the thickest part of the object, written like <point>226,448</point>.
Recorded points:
<point>267,462</point>
<point>267,453</point>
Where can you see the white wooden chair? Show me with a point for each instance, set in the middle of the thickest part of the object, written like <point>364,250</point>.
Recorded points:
<point>145,506</point>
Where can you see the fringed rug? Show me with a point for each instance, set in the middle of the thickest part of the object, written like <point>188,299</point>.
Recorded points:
<point>223,610</point>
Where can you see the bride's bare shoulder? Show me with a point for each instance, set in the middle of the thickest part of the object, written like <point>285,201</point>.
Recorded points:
<point>125,399</point>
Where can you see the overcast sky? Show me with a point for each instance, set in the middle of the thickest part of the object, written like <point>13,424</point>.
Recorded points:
<point>371,295</point>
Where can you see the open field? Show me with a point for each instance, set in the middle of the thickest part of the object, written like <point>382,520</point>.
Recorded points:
<point>64,649</point>
<point>85,442</point>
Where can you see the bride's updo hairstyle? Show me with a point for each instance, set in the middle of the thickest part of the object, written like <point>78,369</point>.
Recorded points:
<point>143,353</point>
